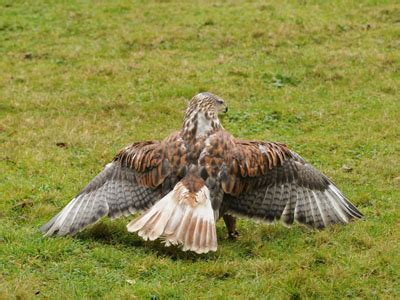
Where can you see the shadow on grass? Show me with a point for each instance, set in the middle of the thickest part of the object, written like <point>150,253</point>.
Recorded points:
<point>247,245</point>
<point>116,234</point>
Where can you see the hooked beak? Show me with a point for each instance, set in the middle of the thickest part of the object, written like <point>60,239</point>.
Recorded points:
<point>223,108</point>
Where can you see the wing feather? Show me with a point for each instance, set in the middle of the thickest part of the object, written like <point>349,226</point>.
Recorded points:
<point>267,181</point>
<point>103,196</point>
<point>134,181</point>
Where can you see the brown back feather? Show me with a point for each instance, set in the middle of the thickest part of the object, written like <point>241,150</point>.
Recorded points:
<point>240,161</point>
<point>154,161</point>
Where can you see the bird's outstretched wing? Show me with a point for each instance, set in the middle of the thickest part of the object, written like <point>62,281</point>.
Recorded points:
<point>138,176</point>
<point>267,181</point>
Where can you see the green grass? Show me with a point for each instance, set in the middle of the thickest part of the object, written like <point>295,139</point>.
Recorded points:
<point>321,76</point>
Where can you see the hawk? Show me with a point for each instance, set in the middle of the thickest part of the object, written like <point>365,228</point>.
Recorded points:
<point>186,182</point>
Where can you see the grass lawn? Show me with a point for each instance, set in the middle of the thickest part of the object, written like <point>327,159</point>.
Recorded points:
<point>81,79</point>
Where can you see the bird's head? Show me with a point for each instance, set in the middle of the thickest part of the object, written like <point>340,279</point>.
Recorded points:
<point>208,103</point>
<point>201,117</point>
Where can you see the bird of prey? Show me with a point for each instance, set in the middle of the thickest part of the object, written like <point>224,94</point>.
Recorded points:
<point>186,182</point>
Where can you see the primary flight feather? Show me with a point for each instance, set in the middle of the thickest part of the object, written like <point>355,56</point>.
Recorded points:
<point>186,182</point>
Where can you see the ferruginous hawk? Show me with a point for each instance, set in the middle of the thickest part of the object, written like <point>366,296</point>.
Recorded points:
<point>186,182</point>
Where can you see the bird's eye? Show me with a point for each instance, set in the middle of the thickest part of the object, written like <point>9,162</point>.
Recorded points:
<point>220,101</point>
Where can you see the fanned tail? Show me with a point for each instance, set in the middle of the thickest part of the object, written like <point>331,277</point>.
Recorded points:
<point>180,218</point>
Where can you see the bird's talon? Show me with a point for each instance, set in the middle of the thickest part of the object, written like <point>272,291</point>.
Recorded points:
<point>233,235</point>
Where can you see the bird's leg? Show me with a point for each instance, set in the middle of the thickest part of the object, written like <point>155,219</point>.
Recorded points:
<point>230,222</point>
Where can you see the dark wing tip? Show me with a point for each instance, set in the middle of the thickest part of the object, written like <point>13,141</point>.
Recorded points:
<point>355,213</point>
<point>45,229</point>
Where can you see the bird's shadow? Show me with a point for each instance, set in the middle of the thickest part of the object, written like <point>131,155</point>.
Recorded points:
<point>115,233</point>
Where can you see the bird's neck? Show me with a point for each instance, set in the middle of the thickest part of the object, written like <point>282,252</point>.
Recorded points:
<point>199,125</point>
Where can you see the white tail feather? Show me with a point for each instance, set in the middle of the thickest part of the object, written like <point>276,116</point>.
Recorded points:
<point>180,218</point>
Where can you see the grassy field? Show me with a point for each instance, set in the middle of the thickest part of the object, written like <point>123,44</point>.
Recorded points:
<point>80,80</point>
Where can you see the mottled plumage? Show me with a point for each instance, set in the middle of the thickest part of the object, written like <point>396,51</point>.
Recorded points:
<point>186,182</point>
